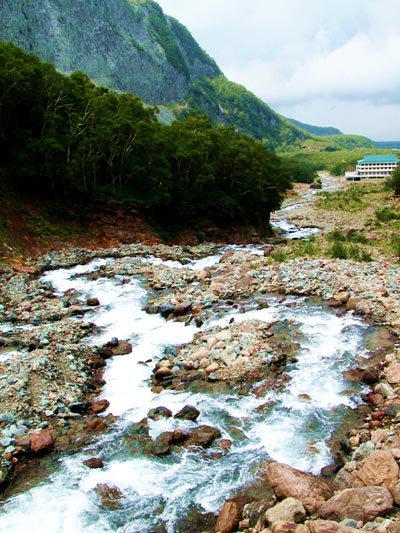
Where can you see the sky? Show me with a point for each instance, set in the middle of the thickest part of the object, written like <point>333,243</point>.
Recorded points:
<point>322,62</point>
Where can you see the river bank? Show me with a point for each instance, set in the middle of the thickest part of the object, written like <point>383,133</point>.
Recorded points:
<point>59,380</point>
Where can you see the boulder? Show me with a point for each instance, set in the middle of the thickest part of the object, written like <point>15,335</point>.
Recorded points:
<point>166,309</point>
<point>100,406</point>
<point>283,526</point>
<point>182,308</point>
<point>365,504</point>
<point>189,412</point>
<point>94,462</point>
<point>393,373</point>
<point>158,412</point>
<point>42,442</point>
<point>254,512</point>
<point>328,526</point>
<point>201,353</point>
<point>288,482</point>
<point>203,436</point>
<point>228,518</point>
<point>380,469</point>
<point>122,348</point>
<point>288,510</point>
<point>163,373</point>
<point>92,302</point>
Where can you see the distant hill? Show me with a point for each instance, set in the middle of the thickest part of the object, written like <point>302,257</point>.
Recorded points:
<point>316,130</point>
<point>391,145</point>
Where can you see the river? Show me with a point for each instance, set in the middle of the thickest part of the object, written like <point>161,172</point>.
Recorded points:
<point>290,424</point>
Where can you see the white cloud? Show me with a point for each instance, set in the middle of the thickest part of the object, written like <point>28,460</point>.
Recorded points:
<point>300,52</point>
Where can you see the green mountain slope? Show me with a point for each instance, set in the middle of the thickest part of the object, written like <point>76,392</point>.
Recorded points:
<point>131,46</point>
<point>316,130</point>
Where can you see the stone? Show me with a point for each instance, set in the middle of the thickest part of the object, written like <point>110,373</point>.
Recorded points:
<point>96,424</point>
<point>42,442</point>
<point>92,302</point>
<point>188,412</point>
<point>365,504</point>
<point>255,511</point>
<point>283,526</point>
<point>122,348</point>
<point>201,353</point>
<point>228,358</point>
<point>364,450</point>
<point>224,335</point>
<point>166,309</point>
<point>100,406</point>
<point>386,390</point>
<point>159,412</point>
<point>353,303</point>
<point>213,367</point>
<point>328,526</point>
<point>288,482</point>
<point>162,444</point>
<point>182,308</point>
<point>163,373</point>
<point>94,462</point>
<point>203,436</point>
<point>379,469</point>
<point>288,510</point>
<point>228,518</point>
<point>393,374</point>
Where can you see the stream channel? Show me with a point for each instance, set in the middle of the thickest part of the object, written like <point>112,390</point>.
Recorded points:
<point>159,492</point>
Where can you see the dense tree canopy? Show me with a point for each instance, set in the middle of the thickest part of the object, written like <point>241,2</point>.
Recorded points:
<point>65,136</point>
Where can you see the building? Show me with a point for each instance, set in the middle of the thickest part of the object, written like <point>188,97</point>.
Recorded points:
<point>373,166</point>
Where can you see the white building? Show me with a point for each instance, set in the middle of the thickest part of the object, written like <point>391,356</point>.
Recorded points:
<point>373,166</point>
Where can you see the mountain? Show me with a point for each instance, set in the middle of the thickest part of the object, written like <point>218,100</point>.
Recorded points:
<point>391,145</point>
<point>132,46</point>
<point>316,130</point>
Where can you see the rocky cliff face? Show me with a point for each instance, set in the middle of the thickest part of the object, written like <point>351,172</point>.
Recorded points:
<point>130,46</point>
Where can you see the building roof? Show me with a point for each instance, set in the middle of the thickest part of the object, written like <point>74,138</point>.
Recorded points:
<point>384,158</point>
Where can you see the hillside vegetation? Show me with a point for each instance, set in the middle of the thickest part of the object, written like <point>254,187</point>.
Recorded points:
<point>132,46</point>
<point>63,137</point>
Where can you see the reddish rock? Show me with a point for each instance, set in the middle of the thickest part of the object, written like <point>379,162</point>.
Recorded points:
<point>42,441</point>
<point>283,526</point>
<point>182,308</point>
<point>96,424</point>
<point>365,504</point>
<point>94,462</point>
<point>380,469</point>
<point>228,518</point>
<point>122,348</point>
<point>353,303</point>
<point>92,302</point>
<point>203,436</point>
<point>110,496</point>
<point>328,526</point>
<point>377,415</point>
<point>288,482</point>
<point>100,406</point>
<point>162,373</point>
<point>376,400</point>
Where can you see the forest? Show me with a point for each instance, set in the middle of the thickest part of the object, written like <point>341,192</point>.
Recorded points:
<point>64,137</point>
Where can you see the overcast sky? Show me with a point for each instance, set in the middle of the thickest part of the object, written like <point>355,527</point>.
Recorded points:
<point>323,62</point>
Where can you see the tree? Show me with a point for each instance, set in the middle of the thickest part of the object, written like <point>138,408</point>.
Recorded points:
<point>393,182</point>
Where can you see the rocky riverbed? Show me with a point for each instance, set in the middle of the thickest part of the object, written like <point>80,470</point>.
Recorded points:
<point>50,377</point>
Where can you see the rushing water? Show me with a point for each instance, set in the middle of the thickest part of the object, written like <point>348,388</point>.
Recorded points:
<point>290,426</point>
